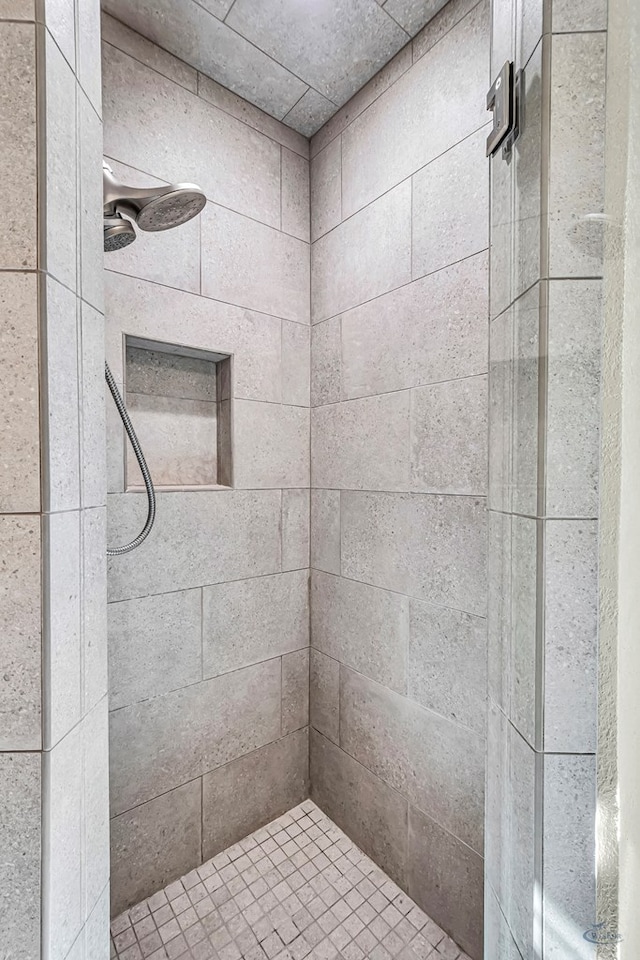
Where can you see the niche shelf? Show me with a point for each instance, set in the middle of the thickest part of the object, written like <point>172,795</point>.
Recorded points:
<point>179,399</point>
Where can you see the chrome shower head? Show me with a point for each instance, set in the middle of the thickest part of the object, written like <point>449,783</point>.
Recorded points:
<point>118,233</point>
<point>153,208</point>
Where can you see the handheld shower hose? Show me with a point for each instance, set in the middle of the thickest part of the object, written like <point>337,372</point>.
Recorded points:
<point>142,463</point>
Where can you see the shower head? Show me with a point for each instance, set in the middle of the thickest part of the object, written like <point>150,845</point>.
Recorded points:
<point>118,233</point>
<point>153,208</point>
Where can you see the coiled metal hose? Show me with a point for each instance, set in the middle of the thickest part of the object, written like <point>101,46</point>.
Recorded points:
<point>142,463</point>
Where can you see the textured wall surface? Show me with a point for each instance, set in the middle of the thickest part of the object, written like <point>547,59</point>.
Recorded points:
<point>54,867</point>
<point>399,201</point>
<point>209,619</point>
<point>544,419</point>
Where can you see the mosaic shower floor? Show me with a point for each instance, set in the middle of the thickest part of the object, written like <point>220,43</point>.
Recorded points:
<point>298,888</point>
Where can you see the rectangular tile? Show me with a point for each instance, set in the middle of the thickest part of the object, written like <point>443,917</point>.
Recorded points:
<point>438,765</point>
<point>445,878</point>
<point>149,310</point>
<point>18,248</point>
<point>62,624</point>
<point>571,630</point>
<point>245,794</point>
<point>20,829</point>
<point>569,882</point>
<point>394,342</point>
<point>93,613</point>
<point>576,158</point>
<point>199,538</point>
<point>431,548</point>
<point>384,144</point>
<point>154,844</point>
<point>326,362</point>
<point>95,804</point>
<point>93,452</point>
<point>155,646</point>
<point>295,691</point>
<point>447,663</point>
<point>62,845</point>
<point>378,822</point>
<point>234,165</point>
<point>178,736</point>
<point>364,257</point>
<point>324,695</point>
<point>249,621</point>
<point>20,627</point>
<point>449,437</point>
<point>450,203</point>
<point>362,444</point>
<point>295,529</point>
<point>325,530</point>
<point>271,445</point>
<point>326,188</point>
<point>447,18</point>
<point>253,265</point>
<point>296,360</point>
<point>361,626</point>
<point>573,397</point>
<point>295,194</point>
<point>19,394</point>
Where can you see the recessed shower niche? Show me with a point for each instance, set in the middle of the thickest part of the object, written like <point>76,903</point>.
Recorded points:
<point>179,399</point>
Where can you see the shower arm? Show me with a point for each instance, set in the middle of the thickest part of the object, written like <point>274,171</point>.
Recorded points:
<point>142,463</point>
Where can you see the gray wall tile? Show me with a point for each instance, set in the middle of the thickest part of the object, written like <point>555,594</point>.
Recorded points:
<point>154,844</point>
<point>243,795</point>
<point>62,599</point>
<point>326,363</point>
<point>295,691</point>
<point>362,444</point>
<point>248,621</point>
<point>296,363</point>
<point>93,453</point>
<point>445,879</point>
<point>295,529</point>
<point>591,15</point>
<point>393,342</point>
<point>178,736</point>
<point>155,645</point>
<point>326,188</point>
<point>450,202</point>
<point>324,695</point>
<point>444,21</point>
<point>95,805</point>
<point>569,882</point>
<point>447,663</point>
<point>436,764</point>
<point>20,793</point>
<point>571,631</point>
<point>19,394</point>
<point>137,46</point>
<point>20,625</point>
<point>18,246</point>
<point>62,873</point>
<point>449,437</point>
<point>576,160</point>
<point>270,445</point>
<point>431,548</point>
<point>252,265</point>
<point>93,613</point>
<point>384,144</point>
<point>361,626</point>
<point>200,538</point>
<point>325,530</point>
<point>573,398</point>
<point>295,194</point>
<point>347,268</point>
<point>377,822</point>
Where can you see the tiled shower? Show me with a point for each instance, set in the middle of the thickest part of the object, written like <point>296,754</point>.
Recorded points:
<point>354,664</point>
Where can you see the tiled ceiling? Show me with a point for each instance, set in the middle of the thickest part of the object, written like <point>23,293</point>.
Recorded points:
<point>299,60</point>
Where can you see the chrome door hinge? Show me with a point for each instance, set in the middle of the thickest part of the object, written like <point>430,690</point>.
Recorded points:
<point>505,101</point>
